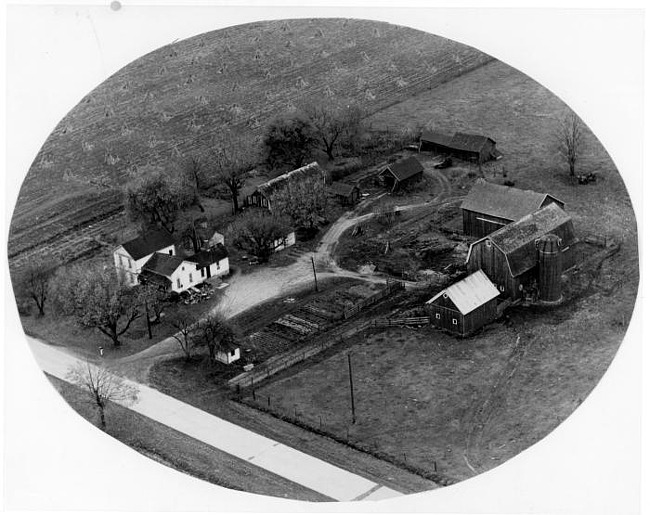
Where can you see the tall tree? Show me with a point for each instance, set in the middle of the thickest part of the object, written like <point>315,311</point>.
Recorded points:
<point>215,333</point>
<point>303,201</point>
<point>97,297</point>
<point>157,196</point>
<point>34,283</point>
<point>257,230</point>
<point>289,140</point>
<point>570,141</point>
<point>185,335</point>
<point>195,170</point>
<point>103,387</point>
<point>334,124</point>
<point>229,164</point>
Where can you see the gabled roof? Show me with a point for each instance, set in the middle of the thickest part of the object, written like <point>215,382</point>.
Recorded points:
<point>308,171</point>
<point>469,142</point>
<point>503,201</point>
<point>342,188</point>
<point>207,257</point>
<point>470,293</point>
<point>405,168</point>
<point>437,138</point>
<point>517,240</point>
<point>163,264</point>
<point>149,243</point>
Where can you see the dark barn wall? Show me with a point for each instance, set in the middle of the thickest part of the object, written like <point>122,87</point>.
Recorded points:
<point>493,262</point>
<point>467,324</point>
<point>479,225</point>
<point>480,316</point>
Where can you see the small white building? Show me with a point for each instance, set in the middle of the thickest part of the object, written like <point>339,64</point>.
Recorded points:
<point>228,355</point>
<point>211,263</point>
<point>283,243</point>
<point>130,257</point>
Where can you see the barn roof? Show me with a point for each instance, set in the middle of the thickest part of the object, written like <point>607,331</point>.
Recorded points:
<point>163,264</point>
<point>470,293</point>
<point>436,137</point>
<point>343,189</point>
<point>148,243</point>
<point>518,240</point>
<point>308,171</point>
<point>469,142</point>
<point>503,201</point>
<point>207,257</point>
<point>405,168</point>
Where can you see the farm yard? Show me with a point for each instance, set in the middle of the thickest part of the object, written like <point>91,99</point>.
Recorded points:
<point>175,101</point>
<point>431,409</point>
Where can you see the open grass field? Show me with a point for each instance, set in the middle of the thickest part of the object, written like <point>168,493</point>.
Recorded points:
<point>177,100</point>
<point>431,401</point>
<point>174,449</point>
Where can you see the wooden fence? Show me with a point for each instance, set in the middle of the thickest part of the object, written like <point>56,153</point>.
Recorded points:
<point>391,287</point>
<point>397,322</point>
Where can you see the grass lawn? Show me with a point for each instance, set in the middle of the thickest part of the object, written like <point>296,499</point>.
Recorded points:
<point>64,331</point>
<point>181,452</point>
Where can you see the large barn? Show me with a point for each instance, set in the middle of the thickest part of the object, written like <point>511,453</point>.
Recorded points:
<point>488,207</point>
<point>263,195</point>
<point>468,147</point>
<point>510,256</point>
<point>401,173</point>
<point>465,306</point>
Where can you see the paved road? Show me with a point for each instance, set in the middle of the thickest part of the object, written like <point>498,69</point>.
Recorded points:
<point>263,452</point>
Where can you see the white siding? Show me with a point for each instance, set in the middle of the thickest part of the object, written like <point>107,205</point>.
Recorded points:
<point>228,357</point>
<point>185,276</point>
<point>132,268</point>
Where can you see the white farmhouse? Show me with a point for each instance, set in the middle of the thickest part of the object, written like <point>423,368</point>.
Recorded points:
<point>131,256</point>
<point>175,273</point>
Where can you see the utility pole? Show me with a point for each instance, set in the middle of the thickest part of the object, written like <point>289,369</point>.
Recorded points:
<point>146,309</point>
<point>354,418</point>
<point>313,266</point>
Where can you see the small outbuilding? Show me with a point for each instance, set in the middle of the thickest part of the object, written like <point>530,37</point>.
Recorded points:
<point>347,194</point>
<point>488,207</point>
<point>465,306</point>
<point>228,354</point>
<point>402,173</point>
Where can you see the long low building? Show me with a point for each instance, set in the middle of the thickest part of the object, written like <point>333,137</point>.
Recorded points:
<point>469,147</point>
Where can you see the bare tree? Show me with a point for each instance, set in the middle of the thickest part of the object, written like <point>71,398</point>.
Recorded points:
<point>195,170</point>
<point>570,141</point>
<point>229,164</point>
<point>256,231</point>
<point>103,387</point>
<point>215,333</point>
<point>34,282</point>
<point>96,297</point>
<point>185,334</point>
<point>334,124</point>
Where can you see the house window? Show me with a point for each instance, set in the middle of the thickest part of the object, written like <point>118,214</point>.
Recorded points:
<point>178,283</point>
<point>121,260</point>
<point>445,295</point>
<point>183,268</point>
<point>128,260</point>
<point>202,272</point>
<point>191,280</point>
<point>171,252</point>
<point>454,321</point>
<point>501,288</point>
<point>488,243</point>
<point>437,316</point>
<point>218,265</point>
<point>232,352</point>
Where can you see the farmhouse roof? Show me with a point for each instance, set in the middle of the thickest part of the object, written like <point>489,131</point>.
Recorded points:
<point>503,201</point>
<point>438,138</point>
<point>469,142</point>
<point>149,243</point>
<point>343,189</point>
<point>470,293</point>
<point>163,264</point>
<point>518,240</point>
<point>405,168</point>
<point>312,170</point>
<point>205,258</point>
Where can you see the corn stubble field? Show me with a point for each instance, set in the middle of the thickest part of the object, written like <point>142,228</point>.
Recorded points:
<point>177,101</point>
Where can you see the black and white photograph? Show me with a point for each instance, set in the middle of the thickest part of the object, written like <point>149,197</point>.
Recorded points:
<point>318,258</point>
